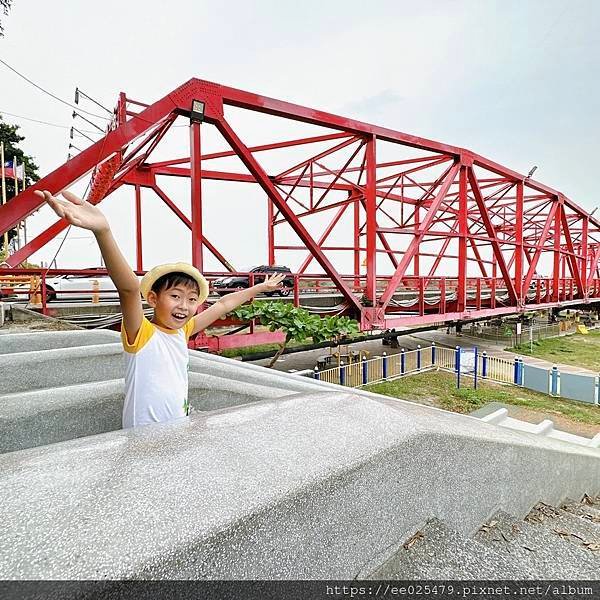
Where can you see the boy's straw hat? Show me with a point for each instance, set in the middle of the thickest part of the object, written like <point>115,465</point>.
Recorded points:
<point>153,275</point>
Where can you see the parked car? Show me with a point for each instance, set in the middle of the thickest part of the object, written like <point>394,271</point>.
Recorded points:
<point>73,287</point>
<point>226,285</point>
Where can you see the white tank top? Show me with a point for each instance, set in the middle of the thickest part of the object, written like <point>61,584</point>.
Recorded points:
<point>156,374</point>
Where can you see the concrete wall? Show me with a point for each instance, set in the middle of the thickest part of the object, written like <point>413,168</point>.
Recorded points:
<point>323,485</point>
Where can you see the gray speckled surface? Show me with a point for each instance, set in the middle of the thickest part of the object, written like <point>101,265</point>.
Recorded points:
<point>313,486</point>
<point>46,416</point>
<point>544,552</point>
<point>443,554</point>
<point>325,482</point>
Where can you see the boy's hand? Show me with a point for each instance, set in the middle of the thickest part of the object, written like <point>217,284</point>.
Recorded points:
<point>270,284</point>
<point>76,211</point>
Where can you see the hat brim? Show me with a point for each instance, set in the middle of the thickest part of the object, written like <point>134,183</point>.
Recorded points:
<point>150,278</point>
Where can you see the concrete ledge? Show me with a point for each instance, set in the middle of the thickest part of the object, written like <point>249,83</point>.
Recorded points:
<point>48,416</point>
<point>31,342</point>
<point>314,486</point>
<point>39,369</point>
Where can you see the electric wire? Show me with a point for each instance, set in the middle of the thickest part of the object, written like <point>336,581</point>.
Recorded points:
<point>3,112</point>
<point>39,87</point>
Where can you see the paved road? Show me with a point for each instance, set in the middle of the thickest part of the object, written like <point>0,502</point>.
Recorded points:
<point>307,360</point>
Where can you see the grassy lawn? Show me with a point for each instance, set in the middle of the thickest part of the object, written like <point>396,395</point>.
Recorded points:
<point>439,389</point>
<point>577,349</point>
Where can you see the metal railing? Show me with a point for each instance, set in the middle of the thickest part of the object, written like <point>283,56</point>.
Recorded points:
<point>387,368</point>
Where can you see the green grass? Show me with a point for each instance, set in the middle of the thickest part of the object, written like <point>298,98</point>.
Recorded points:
<point>577,349</point>
<point>439,389</point>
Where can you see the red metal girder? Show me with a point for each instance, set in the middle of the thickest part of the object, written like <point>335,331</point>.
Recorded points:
<point>274,146</point>
<point>44,237</point>
<point>557,255</point>
<point>138,229</point>
<point>163,196</point>
<point>196,195</point>
<point>593,265</point>
<point>463,229</point>
<point>573,263</point>
<point>518,252</point>
<point>27,202</point>
<point>419,233</point>
<point>491,233</point>
<point>371,220</point>
<point>327,152</point>
<point>261,177</point>
<point>270,232</point>
<point>394,163</point>
<point>339,174</point>
<point>325,235</point>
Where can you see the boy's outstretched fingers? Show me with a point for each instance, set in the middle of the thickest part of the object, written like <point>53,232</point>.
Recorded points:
<point>52,201</point>
<point>71,197</point>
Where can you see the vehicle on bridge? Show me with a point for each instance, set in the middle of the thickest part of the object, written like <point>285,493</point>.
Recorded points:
<point>226,285</point>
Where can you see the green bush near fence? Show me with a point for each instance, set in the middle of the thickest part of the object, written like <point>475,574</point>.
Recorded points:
<point>439,389</point>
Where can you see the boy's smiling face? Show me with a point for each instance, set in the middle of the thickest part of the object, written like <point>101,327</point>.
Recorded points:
<point>175,306</point>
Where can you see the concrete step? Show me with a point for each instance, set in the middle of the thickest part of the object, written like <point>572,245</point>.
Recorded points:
<point>582,509</point>
<point>12,343</point>
<point>438,552</point>
<point>539,550</point>
<point>578,531</point>
<point>50,415</point>
<point>57,367</point>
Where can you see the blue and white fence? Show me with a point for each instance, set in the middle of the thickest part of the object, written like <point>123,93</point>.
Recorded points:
<point>462,361</point>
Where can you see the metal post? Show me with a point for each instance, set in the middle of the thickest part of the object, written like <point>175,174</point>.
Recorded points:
<point>418,358</point>
<point>457,366</point>
<point>342,373</point>
<point>554,381</point>
<point>384,365</point>
<point>516,371</point>
<point>521,371</point>
<point>402,362</point>
<point>316,374</point>
<point>365,371</point>
<point>433,353</point>
<point>484,365</point>
<point>476,367</point>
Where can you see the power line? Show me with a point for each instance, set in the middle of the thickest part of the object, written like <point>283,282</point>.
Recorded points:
<point>50,93</point>
<point>3,112</point>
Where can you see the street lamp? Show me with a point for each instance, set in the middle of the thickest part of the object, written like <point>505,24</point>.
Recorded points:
<point>197,112</point>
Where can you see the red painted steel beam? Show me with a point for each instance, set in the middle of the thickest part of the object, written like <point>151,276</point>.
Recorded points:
<point>259,174</point>
<point>575,270</point>
<point>371,221</point>
<point>189,224</point>
<point>418,236</point>
<point>491,233</point>
<point>114,141</point>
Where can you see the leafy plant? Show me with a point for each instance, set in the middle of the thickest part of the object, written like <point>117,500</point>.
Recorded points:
<point>297,323</point>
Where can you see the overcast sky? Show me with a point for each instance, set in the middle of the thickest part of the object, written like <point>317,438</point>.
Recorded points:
<point>516,81</point>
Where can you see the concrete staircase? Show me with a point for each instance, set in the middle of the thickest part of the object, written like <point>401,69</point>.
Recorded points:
<point>549,543</point>
<point>274,476</point>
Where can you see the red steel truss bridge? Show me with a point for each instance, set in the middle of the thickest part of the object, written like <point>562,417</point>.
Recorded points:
<point>430,232</point>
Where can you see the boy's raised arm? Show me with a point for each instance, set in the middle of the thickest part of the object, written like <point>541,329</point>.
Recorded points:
<point>82,214</point>
<point>228,303</point>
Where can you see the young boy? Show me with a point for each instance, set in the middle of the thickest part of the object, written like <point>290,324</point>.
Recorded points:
<point>156,379</point>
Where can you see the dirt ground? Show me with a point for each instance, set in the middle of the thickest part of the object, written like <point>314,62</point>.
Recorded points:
<point>37,325</point>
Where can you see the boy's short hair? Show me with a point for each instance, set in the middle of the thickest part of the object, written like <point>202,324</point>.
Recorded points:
<point>173,279</point>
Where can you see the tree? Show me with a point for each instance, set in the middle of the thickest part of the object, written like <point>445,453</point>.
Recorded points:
<point>5,5</point>
<point>9,135</point>
<point>297,323</point>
